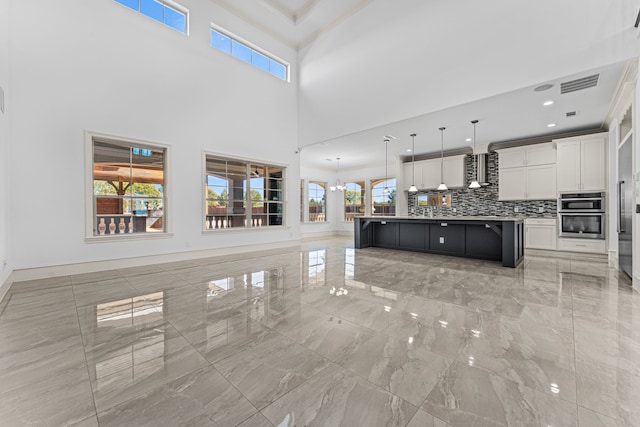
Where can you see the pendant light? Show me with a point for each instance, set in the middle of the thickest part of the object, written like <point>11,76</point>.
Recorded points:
<point>474,184</point>
<point>442,186</point>
<point>386,156</point>
<point>338,185</point>
<point>413,188</point>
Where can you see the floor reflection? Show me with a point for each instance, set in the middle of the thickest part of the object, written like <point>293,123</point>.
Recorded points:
<point>398,335</point>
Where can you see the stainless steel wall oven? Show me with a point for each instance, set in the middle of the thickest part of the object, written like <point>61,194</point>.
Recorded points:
<point>581,215</point>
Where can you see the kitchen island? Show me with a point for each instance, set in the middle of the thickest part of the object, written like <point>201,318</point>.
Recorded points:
<point>491,238</point>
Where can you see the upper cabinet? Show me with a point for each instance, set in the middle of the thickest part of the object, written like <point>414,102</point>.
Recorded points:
<point>527,173</point>
<point>427,173</point>
<point>581,163</point>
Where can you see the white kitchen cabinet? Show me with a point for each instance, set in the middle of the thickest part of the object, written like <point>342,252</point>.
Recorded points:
<point>541,182</point>
<point>581,163</point>
<point>529,155</point>
<point>582,245</point>
<point>527,173</point>
<point>540,233</point>
<point>512,184</point>
<point>408,174</point>
<point>431,174</point>
<point>427,173</point>
<point>513,158</point>
<point>540,154</point>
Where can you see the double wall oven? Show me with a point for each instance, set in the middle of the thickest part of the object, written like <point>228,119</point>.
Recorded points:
<point>581,215</point>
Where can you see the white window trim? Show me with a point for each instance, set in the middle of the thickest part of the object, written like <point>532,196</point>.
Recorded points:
<point>369,206</point>
<point>365,181</point>
<point>171,4</point>
<point>89,196</point>
<point>327,191</point>
<point>203,174</point>
<point>258,49</point>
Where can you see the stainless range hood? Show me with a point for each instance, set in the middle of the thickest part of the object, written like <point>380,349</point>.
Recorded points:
<point>483,161</point>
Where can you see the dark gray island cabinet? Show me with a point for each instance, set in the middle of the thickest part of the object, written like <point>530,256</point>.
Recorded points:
<point>491,238</point>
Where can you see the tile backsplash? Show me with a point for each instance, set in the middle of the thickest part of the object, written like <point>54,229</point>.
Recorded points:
<point>483,201</point>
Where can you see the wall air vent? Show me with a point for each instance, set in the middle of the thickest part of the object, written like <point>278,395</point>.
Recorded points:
<point>571,113</point>
<point>579,84</point>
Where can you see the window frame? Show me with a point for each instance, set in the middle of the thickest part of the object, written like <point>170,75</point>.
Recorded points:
<point>165,3</point>
<point>372,195</point>
<point>247,198</point>
<point>90,205</point>
<point>325,185</point>
<point>234,37</point>
<point>363,199</point>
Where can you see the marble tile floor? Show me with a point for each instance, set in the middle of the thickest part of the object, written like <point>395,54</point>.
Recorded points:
<point>325,335</point>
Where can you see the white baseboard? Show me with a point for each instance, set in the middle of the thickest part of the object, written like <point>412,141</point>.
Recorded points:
<point>20,275</point>
<point>6,280</point>
<point>324,235</point>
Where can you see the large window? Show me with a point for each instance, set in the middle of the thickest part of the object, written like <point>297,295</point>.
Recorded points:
<point>243,194</point>
<point>128,187</point>
<point>354,200</point>
<point>383,193</point>
<point>167,12</point>
<point>232,45</point>
<point>317,201</point>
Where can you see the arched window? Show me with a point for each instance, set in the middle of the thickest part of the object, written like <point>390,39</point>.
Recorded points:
<point>354,200</point>
<point>317,201</point>
<point>383,197</point>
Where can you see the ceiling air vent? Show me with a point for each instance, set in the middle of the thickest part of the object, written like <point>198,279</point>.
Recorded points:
<point>579,84</point>
<point>571,113</point>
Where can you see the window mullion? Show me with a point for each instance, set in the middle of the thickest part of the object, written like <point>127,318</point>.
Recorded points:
<point>248,211</point>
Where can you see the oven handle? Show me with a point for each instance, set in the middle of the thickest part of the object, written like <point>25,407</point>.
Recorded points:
<point>580,199</point>
<point>570,211</point>
<point>620,208</point>
<point>574,213</point>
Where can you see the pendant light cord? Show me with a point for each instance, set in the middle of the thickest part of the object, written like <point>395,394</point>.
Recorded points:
<point>442,154</point>
<point>386,161</point>
<point>475,155</point>
<point>413,158</point>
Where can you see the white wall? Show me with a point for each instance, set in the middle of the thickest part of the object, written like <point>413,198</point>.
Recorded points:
<point>612,210</point>
<point>98,66</point>
<point>635,123</point>
<point>335,200</point>
<point>391,62</point>
<point>5,134</point>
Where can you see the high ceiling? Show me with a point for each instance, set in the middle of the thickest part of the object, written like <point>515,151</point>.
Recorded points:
<point>506,117</point>
<point>294,22</point>
<point>369,68</point>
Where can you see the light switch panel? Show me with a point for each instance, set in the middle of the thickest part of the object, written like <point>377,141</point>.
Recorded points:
<point>442,240</point>
<point>540,209</point>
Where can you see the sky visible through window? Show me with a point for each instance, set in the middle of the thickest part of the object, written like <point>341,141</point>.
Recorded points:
<point>246,54</point>
<point>158,11</point>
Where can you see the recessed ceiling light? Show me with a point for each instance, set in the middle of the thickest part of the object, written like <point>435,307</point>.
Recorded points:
<point>468,139</point>
<point>551,125</point>
<point>408,150</point>
<point>544,87</point>
<point>547,103</point>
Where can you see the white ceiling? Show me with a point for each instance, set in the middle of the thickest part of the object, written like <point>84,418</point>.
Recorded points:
<point>506,117</point>
<point>294,22</point>
<point>369,68</point>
